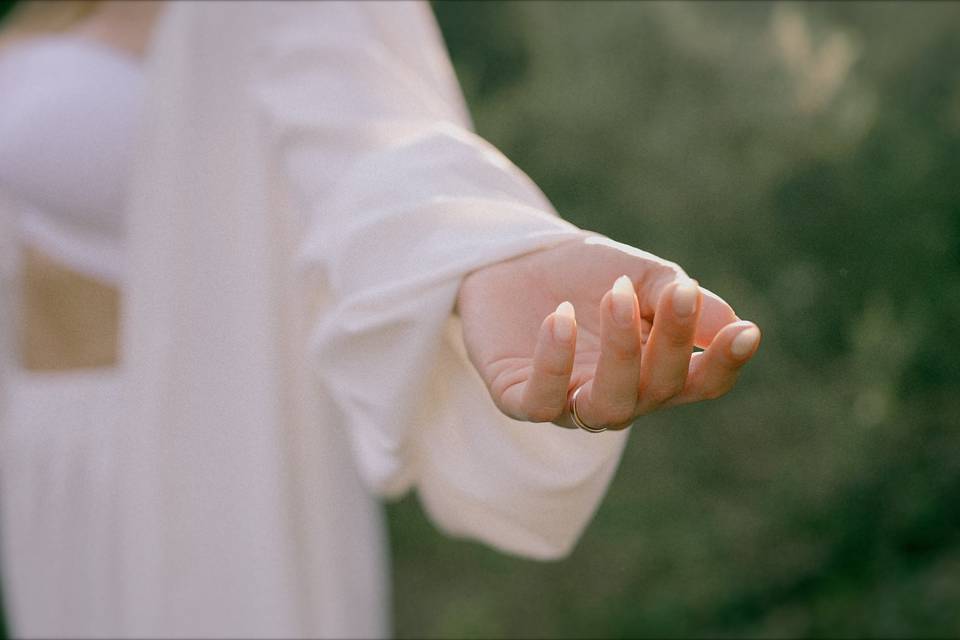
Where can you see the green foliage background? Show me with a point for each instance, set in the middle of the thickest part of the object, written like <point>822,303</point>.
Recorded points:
<point>802,160</point>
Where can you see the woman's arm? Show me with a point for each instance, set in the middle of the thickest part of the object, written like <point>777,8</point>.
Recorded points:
<point>356,108</point>
<point>413,203</point>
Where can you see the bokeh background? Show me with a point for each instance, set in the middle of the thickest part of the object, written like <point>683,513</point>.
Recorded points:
<point>802,160</point>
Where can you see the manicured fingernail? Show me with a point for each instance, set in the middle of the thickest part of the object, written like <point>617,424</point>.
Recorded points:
<point>623,301</point>
<point>685,298</point>
<point>564,322</point>
<point>745,342</point>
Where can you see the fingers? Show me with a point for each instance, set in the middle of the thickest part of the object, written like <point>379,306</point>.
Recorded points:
<point>611,398</point>
<point>543,398</point>
<point>641,366</point>
<point>667,354</point>
<point>714,372</point>
<point>715,314</point>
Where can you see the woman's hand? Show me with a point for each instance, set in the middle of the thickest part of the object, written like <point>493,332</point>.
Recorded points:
<point>540,326</point>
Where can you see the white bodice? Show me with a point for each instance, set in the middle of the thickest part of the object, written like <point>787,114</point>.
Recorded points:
<point>69,110</point>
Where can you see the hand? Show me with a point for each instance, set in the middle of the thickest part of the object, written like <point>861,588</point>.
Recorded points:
<point>542,325</point>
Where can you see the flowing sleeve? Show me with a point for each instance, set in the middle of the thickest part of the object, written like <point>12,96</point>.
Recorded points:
<point>402,200</point>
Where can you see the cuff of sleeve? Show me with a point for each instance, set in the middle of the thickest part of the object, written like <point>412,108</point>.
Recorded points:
<point>523,488</point>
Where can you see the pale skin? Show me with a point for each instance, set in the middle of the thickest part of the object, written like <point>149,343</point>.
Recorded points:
<point>618,322</point>
<point>628,342</point>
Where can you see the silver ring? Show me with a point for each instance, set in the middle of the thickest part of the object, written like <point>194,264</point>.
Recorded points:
<point>577,420</point>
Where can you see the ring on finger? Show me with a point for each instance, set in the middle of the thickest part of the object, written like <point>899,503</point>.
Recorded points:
<point>575,415</point>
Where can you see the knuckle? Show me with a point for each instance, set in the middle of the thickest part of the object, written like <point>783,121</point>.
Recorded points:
<point>616,415</point>
<point>678,337</point>
<point>505,407</point>
<point>501,388</point>
<point>552,370</point>
<point>623,350</point>
<point>661,393</point>
<point>716,391</point>
<point>712,393</point>
<point>553,367</point>
<point>543,414</point>
<point>508,411</point>
<point>667,271</point>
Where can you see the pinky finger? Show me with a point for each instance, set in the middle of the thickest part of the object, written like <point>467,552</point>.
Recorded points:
<point>714,372</point>
<point>543,398</point>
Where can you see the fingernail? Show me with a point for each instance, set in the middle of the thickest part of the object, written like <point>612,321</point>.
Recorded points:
<point>745,342</point>
<point>564,322</point>
<point>623,301</point>
<point>685,298</point>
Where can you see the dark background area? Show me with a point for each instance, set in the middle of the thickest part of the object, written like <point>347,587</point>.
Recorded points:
<point>5,7</point>
<point>802,160</point>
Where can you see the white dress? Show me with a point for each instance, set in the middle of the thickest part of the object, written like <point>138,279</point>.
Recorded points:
<point>306,199</point>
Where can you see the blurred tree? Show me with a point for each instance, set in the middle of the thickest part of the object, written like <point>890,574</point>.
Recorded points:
<point>803,160</point>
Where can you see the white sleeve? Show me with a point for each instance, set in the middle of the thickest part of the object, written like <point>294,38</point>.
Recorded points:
<point>403,201</point>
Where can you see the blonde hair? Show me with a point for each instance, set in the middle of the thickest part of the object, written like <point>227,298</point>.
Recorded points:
<point>37,17</point>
